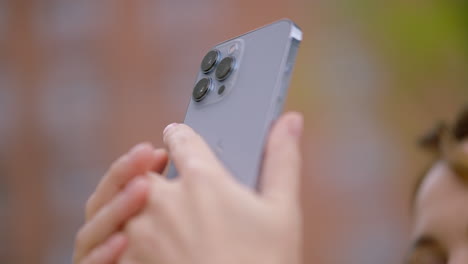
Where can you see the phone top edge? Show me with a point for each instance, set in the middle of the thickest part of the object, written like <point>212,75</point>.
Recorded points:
<point>296,32</point>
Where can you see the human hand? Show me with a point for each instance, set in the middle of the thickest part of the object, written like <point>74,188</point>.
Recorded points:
<point>205,217</point>
<point>121,194</point>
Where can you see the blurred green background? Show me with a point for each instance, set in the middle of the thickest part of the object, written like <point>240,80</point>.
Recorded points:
<point>82,81</point>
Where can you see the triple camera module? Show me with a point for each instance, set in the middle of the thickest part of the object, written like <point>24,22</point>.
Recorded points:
<point>222,69</point>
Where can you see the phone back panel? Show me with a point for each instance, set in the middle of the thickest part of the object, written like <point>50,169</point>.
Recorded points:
<point>236,122</point>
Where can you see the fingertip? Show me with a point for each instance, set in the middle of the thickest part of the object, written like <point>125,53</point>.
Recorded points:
<point>160,155</point>
<point>137,190</point>
<point>169,127</point>
<point>138,184</point>
<point>176,136</point>
<point>282,161</point>
<point>190,153</point>
<point>160,152</point>
<point>140,146</point>
<point>176,130</point>
<point>294,123</point>
<point>143,146</point>
<point>142,156</point>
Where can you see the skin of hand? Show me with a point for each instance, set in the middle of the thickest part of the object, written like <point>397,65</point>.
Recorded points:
<point>206,217</point>
<point>121,194</point>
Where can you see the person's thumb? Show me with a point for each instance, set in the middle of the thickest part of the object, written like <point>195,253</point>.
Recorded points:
<point>281,170</point>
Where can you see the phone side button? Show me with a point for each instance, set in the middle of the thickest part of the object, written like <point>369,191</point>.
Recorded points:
<point>278,107</point>
<point>288,68</point>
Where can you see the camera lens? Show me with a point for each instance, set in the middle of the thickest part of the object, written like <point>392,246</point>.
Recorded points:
<point>224,68</point>
<point>201,89</point>
<point>209,61</point>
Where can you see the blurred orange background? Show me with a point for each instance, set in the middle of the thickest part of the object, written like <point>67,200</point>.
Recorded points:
<point>83,81</point>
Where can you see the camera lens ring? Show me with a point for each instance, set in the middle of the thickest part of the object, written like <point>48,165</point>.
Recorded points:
<point>201,89</point>
<point>209,60</point>
<point>225,68</point>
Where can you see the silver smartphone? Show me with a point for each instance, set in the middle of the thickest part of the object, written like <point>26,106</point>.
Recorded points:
<point>239,91</point>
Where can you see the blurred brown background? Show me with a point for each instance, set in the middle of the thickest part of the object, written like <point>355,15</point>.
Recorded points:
<point>82,81</point>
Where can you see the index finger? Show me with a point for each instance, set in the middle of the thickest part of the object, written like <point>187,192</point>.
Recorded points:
<point>137,162</point>
<point>189,152</point>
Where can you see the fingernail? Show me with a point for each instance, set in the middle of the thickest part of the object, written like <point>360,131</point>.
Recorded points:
<point>296,125</point>
<point>169,127</point>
